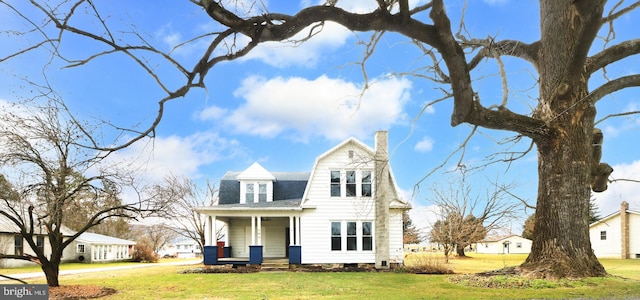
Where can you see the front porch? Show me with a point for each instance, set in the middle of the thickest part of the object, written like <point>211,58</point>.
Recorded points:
<point>212,256</point>
<point>249,239</point>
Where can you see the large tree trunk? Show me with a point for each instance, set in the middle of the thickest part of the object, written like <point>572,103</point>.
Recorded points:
<point>51,272</point>
<point>561,245</point>
<point>460,250</point>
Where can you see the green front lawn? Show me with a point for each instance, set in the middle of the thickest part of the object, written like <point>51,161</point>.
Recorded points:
<point>165,282</point>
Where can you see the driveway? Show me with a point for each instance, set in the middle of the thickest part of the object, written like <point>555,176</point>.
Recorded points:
<point>102,269</point>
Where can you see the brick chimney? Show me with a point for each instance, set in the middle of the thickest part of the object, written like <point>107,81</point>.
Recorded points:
<point>624,230</point>
<point>381,197</point>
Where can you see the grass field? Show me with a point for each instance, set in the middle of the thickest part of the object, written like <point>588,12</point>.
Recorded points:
<point>165,282</point>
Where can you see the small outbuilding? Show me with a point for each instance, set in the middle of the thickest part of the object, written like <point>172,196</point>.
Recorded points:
<point>512,244</point>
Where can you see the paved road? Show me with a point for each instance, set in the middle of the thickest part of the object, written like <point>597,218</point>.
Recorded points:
<point>102,269</point>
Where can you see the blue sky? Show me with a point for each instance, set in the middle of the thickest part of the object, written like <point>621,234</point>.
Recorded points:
<point>286,103</point>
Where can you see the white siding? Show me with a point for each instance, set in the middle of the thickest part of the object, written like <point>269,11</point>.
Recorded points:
<point>316,223</point>
<point>634,235</point>
<point>611,246</point>
<point>395,236</point>
<point>273,237</point>
<point>516,245</point>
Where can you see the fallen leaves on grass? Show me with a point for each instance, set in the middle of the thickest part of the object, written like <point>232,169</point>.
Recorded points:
<point>73,292</point>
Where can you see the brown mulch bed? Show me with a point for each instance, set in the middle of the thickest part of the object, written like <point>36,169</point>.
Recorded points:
<point>73,292</point>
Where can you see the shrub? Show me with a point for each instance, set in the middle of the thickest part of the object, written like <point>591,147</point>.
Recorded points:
<point>423,263</point>
<point>143,253</point>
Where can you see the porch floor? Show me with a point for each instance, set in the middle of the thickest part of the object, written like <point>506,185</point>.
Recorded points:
<point>245,260</point>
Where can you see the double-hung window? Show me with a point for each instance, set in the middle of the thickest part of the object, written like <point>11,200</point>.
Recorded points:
<point>352,236</point>
<point>262,192</point>
<point>351,183</point>
<point>335,184</point>
<point>356,236</point>
<point>336,236</point>
<point>40,242</point>
<point>366,184</point>
<point>603,235</point>
<point>17,243</point>
<point>367,236</point>
<point>249,193</point>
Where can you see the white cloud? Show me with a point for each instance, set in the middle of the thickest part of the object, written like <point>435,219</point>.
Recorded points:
<point>180,156</point>
<point>324,107</point>
<point>308,53</point>
<point>609,201</point>
<point>424,145</point>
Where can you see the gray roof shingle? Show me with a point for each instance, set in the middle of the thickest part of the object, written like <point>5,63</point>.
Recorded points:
<point>288,189</point>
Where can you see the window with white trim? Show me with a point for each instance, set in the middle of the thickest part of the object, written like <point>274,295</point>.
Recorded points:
<point>603,235</point>
<point>350,183</point>
<point>249,193</point>
<point>336,236</point>
<point>80,248</point>
<point>262,192</point>
<point>40,242</point>
<point>17,245</point>
<point>335,184</point>
<point>352,236</point>
<point>367,236</point>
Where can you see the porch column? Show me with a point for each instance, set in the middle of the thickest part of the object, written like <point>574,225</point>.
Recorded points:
<point>292,238</point>
<point>210,251</point>
<point>259,230</point>
<point>253,230</point>
<point>207,231</point>
<point>214,231</point>
<point>295,251</point>
<point>298,230</point>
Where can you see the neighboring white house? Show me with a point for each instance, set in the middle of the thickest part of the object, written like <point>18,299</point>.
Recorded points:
<point>183,248</point>
<point>345,211</point>
<point>617,235</point>
<point>92,248</point>
<point>88,247</point>
<point>13,243</point>
<point>513,244</point>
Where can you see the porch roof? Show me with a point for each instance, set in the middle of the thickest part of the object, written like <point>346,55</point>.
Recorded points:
<point>280,205</point>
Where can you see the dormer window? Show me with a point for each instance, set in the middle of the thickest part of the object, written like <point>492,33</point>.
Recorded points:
<point>249,195</point>
<point>256,185</point>
<point>262,192</point>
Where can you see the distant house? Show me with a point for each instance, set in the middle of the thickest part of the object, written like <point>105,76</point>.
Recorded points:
<point>88,247</point>
<point>345,211</point>
<point>182,248</point>
<point>617,235</point>
<point>12,243</point>
<point>93,248</point>
<point>512,244</point>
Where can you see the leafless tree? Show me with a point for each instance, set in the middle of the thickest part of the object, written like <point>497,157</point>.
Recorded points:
<point>466,216</point>
<point>41,155</point>
<point>184,195</point>
<point>561,123</point>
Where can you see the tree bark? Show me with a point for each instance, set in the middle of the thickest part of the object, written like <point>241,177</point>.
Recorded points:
<point>51,272</point>
<point>561,245</point>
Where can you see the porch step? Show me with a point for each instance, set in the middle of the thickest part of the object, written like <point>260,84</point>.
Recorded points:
<point>275,265</point>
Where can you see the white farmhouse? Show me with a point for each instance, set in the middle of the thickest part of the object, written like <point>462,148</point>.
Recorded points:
<point>617,235</point>
<point>345,211</point>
